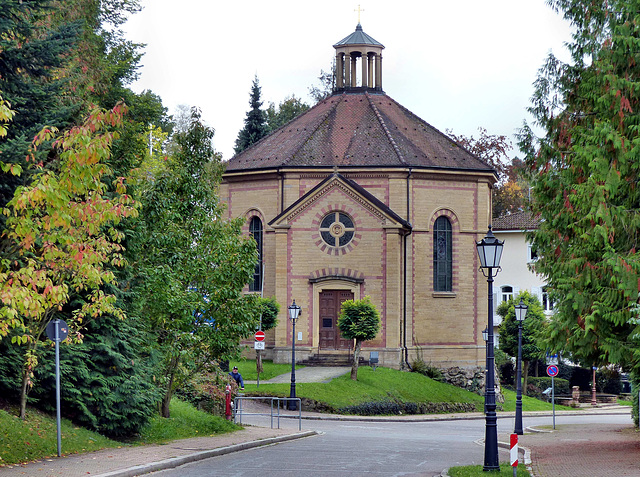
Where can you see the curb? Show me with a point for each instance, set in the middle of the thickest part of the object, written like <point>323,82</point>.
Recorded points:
<point>186,459</point>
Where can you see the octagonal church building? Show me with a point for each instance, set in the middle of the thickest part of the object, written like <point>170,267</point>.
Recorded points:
<point>360,197</point>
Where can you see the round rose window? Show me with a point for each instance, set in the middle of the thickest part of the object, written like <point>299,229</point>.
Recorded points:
<point>337,229</point>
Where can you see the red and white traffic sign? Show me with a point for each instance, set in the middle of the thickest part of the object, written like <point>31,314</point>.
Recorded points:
<point>513,450</point>
<point>259,335</point>
<point>552,370</point>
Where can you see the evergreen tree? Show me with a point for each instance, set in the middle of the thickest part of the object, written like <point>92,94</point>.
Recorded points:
<point>255,124</point>
<point>31,58</point>
<point>585,174</point>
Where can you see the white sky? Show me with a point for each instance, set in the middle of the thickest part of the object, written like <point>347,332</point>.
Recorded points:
<point>457,64</point>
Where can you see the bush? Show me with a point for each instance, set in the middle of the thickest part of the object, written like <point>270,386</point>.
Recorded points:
<point>537,385</point>
<point>387,408</point>
<point>608,381</point>
<point>428,370</point>
<point>207,392</point>
<point>505,366</point>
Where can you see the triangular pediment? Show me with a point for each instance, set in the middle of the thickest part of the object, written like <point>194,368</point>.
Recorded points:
<point>377,208</point>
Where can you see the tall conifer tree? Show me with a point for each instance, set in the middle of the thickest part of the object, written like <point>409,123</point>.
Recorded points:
<point>585,175</point>
<point>255,124</point>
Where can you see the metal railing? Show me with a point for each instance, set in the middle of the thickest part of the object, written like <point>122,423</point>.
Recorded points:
<point>239,411</point>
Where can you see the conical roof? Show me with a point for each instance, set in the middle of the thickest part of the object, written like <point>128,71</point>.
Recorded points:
<point>358,37</point>
<point>357,129</point>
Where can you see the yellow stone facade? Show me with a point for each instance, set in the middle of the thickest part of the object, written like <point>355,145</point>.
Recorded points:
<point>390,257</point>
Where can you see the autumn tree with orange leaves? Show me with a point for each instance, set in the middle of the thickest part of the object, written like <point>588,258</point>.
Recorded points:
<point>63,226</point>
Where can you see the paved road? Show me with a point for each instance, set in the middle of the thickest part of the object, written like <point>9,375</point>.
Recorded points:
<point>370,449</point>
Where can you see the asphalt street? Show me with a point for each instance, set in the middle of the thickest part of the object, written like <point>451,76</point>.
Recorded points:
<point>369,449</point>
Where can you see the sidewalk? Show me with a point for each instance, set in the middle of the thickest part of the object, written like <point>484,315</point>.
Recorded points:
<point>132,461</point>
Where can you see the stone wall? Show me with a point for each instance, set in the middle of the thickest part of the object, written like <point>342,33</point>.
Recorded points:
<point>471,379</point>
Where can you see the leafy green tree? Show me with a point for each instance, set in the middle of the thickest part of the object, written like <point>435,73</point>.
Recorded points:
<point>325,88</point>
<point>359,320</point>
<point>585,173</point>
<point>192,263</point>
<point>531,328</point>
<point>255,124</point>
<point>287,110</point>
<point>63,227</point>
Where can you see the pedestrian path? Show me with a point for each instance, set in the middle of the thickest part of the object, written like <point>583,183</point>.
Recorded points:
<point>309,374</point>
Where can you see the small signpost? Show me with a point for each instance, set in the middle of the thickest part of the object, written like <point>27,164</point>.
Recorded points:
<point>552,371</point>
<point>258,345</point>
<point>513,453</point>
<point>57,331</point>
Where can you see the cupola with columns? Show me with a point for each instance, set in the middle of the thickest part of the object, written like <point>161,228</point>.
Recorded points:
<point>358,48</point>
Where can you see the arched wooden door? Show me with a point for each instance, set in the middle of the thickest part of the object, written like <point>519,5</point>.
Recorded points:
<point>330,303</point>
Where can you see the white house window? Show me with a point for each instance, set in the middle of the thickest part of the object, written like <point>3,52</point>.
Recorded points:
<point>532,255</point>
<point>506,293</point>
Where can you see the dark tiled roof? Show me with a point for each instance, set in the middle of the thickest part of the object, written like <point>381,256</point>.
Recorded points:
<point>358,37</point>
<point>518,221</point>
<point>356,129</point>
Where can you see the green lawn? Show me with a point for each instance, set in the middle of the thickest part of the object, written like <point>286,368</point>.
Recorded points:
<point>36,437</point>
<point>185,421</point>
<point>476,471</point>
<point>379,385</point>
<point>528,403</point>
<point>247,367</point>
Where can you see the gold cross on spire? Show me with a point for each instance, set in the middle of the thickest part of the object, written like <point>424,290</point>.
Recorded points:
<point>359,10</point>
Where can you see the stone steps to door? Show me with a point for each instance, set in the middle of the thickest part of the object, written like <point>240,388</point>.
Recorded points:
<point>332,360</point>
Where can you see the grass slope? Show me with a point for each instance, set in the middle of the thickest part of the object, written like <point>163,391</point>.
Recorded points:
<point>36,437</point>
<point>379,385</point>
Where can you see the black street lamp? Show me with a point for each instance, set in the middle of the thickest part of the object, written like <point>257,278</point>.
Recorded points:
<point>294,313</point>
<point>521,314</point>
<point>489,252</point>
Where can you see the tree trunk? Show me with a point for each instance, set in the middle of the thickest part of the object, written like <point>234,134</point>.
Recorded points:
<point>27,371</point>
<point>356,356</point>
<point>166,399</point>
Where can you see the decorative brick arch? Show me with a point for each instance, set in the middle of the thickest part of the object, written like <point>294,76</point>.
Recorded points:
<point>451,215</point>
<point>250,214</point>
<point>330,273</point>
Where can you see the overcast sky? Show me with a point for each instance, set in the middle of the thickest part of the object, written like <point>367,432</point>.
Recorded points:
<point>457,64</point>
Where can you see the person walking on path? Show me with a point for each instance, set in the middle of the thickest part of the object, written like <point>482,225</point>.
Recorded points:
<point>237,377</point>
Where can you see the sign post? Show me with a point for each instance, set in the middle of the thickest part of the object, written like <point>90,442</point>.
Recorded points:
<point>552,371</point>
<point>57,331</point>
<point>513,453</point>
<point>258,345</point>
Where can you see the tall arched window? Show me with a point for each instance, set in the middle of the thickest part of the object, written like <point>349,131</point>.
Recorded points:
<point>442,255</point>
<point>255,229</point>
